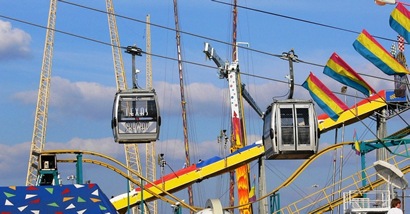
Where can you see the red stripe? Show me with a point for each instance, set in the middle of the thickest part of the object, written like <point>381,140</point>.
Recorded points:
<point>400,7</point>
<point>374,41</point>
<point>329,93</point>
<point>337,59</point>
<point>171,176</point>
<point>381,94</point>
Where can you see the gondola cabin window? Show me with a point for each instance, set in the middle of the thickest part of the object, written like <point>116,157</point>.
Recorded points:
<point>286,116</point>
<point>137,115</point>
<point>302,117</point>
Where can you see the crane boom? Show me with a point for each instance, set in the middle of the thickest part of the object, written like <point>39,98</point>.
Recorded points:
<point>40,120</point>
<point>150,166</point>
<point>131,150</point>
<point>116,47</point>
<point>183,101</point>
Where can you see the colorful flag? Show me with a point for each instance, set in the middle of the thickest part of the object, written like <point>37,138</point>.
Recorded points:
<point>400,81</point>
<point>356,143</point>
<point>400,21</point>
<point>342,72</point>
<point>400,43</point>
<point>252,195</point>
<point>370,49</point>
<point>326,100</point>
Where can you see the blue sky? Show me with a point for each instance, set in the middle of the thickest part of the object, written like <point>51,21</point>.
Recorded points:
<point>83,82</point>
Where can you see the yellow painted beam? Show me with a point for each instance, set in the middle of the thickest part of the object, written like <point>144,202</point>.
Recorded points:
<point>181,181</point>
<point>359,111</point>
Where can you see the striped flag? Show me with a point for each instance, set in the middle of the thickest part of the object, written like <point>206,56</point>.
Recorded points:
<point>370,49</point>
<point>400,21</point>
<point>339,70</point>
<point>326,100</point>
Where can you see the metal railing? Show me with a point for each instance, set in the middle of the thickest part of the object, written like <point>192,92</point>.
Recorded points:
<point>327,199</point>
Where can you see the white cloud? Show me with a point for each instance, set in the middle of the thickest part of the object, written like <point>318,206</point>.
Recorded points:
<point>92,100</point>
<point>105,146</point>
<point>89,99</point>
<point>202,97</point>
<point>14,43</point>
<point>207,100</point>
<point>16,156</point>
<point>86,99</point>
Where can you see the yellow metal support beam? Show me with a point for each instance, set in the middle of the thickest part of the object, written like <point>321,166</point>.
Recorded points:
<point>359,111</point>
<point>183,180</point>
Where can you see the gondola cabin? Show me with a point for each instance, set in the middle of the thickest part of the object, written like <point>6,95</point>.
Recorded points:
<point>135,116</point>
<point>290,130</point>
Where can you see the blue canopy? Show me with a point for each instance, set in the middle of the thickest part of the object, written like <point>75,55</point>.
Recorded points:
<point>64,199</point>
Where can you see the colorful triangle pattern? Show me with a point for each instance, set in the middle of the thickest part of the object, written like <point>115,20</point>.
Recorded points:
<point>78,199</point>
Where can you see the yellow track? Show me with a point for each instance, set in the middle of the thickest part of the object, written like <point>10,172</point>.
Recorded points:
<point>124,174</point>
<point>225,165</point>
<point>327,199</point>
<point>372,186</point>
<point>184,180</point>
<point>122,202</point>
<point>359,111</point>
<point>325,194</point>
